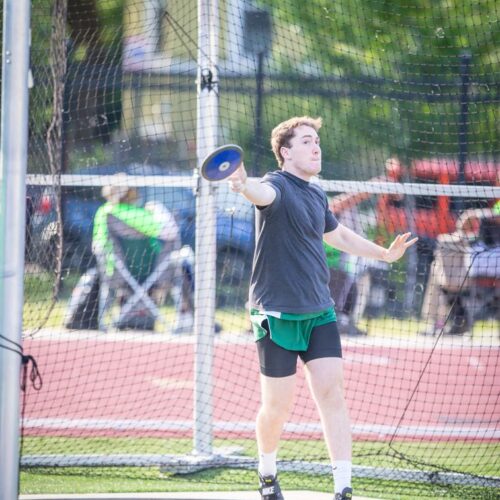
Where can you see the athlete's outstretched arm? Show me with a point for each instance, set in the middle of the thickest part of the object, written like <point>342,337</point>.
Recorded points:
<point>348,241</point>
<point>253,190</point>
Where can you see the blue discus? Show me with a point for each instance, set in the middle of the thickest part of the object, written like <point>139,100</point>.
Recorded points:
<point>222,162</point>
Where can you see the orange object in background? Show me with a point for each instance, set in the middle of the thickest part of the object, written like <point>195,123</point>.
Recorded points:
<point>433,215</point>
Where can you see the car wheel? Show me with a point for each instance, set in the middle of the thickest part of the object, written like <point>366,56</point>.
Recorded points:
<point>77,257</point>
<point>46,254</point>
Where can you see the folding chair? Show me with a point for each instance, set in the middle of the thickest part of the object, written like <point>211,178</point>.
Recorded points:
<point>137,269</point>
<point>141,270</point>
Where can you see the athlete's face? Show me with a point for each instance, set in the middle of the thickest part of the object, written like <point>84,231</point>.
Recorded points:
<point>303,157</point>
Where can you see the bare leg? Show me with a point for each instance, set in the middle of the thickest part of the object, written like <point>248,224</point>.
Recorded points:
<point>326,381</point>
<point>277,398</point>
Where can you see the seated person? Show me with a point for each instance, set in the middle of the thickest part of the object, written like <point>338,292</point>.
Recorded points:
<point>485,268</point>
<point>460,258</point>
<point>120,216</point>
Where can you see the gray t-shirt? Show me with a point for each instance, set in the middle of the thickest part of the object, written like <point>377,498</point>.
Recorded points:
<point>289,273</point>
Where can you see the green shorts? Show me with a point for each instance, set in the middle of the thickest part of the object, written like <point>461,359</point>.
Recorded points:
<point>290,331</point>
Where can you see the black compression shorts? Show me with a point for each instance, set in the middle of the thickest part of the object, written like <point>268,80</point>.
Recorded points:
<point>275,361</point>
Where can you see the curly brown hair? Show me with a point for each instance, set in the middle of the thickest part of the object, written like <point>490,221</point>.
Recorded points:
<point>283,132</point>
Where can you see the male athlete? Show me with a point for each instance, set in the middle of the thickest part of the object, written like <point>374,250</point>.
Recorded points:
<point>291,309</point>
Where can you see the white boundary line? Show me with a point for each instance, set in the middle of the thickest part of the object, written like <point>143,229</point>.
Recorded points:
<point>186,464</point>
<point>378,430</point>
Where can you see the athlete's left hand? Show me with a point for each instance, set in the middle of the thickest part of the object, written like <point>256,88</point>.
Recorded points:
<point>398,247</point>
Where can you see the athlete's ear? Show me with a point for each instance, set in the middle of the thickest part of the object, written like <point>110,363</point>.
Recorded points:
<point>284,152</point>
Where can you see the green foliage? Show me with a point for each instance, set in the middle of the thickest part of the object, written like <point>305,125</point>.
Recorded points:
<point>405,57</point>
<point>111,15</point>
<point>382,38</point>
<point>91,35</point>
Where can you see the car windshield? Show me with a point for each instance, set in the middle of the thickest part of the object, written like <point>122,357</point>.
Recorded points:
<point>173,198</point>
<point>183,199</point>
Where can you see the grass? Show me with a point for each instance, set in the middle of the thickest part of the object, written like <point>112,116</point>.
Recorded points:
<point>50,314</point>
<point>452,456</point>
<point>127,480</point>
<point>409,328</point>
<point>41,309</point>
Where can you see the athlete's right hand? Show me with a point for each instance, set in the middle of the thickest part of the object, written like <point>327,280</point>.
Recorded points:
<point>238,179</point>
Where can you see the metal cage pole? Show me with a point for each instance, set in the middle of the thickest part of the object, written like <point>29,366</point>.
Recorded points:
<point>204,297</point>
<point>14,152</point>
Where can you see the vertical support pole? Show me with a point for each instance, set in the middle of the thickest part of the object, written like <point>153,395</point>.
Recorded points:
<point>463,123</point>
<point>205,248</point>
<point>259,83</point>
<point>14,151</point>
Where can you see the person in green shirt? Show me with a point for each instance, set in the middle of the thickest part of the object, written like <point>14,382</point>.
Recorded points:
<point>120,216</point>
<point>128,220</point>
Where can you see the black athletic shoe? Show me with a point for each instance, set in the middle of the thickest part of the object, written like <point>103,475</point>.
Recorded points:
<point>345,495</point>
<point>270,488</point>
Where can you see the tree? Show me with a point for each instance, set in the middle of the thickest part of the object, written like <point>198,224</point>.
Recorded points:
<point>405,58</point>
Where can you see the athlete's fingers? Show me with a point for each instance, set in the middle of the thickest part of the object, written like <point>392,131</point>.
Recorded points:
<point>411,242</point>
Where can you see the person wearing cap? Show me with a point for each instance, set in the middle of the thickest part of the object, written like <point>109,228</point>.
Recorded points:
<point>121,215</point>
<point>126,219</point>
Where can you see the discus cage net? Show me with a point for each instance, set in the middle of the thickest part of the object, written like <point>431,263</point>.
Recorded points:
<point>409,96</point>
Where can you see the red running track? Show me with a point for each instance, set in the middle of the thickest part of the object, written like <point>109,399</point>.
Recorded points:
<point>136,386</point>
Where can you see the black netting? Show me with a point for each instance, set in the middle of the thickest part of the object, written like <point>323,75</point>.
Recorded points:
<point>409,95</point>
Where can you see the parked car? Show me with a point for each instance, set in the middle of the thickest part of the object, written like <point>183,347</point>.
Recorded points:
<point>235,221</point>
